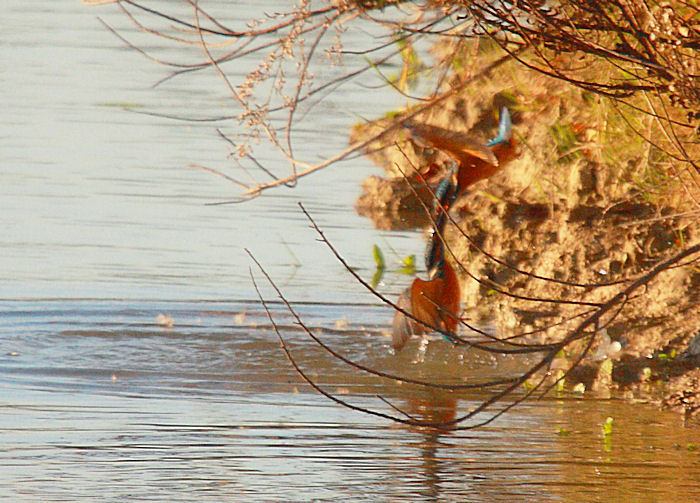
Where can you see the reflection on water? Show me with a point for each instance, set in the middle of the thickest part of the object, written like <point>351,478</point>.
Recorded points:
<point>115,404</point>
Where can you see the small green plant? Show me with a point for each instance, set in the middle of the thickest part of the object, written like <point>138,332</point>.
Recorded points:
<point>412,65</point>
<point>606,368</point>
<point>490,196</point>
<point>607,426</point>
<point>379,261</point>
<point>607,434</point>
<point>566,141</point>
<point>378,257</point>
<point>665,357</point>
<point>408,265</point>
<point>560,381</point>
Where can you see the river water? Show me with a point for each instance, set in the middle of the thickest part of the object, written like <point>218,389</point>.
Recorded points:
<point>136,362</point>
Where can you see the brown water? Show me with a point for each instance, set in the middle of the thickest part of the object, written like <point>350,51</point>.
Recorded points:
<point>100,402</point>
<point>104,228</point>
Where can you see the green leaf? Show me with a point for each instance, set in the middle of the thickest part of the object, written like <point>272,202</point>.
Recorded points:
<point>378,257</point>
<point>560,381</point>
<point>490,196</point>
<point>409,265</point>
<point>607,434</point>
<point>377,277</point>
<point>607,426</point>
<point>409,271</point>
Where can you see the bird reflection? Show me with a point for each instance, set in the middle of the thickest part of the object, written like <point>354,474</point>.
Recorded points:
<point>440,408</point>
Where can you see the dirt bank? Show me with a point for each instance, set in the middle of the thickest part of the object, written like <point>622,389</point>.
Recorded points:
<point>586,203</point>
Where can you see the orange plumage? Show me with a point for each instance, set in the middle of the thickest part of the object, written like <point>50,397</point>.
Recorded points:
<point>476,159</point>
<point>434,302</point>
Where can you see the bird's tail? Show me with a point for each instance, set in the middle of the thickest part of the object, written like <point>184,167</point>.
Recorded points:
<point>505,129</point>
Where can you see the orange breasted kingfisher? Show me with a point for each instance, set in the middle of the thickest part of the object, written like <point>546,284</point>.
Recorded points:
<point>434,303</point>
<point>476,160</point>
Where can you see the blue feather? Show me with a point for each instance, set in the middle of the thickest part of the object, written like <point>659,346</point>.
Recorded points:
<point>504,129</point>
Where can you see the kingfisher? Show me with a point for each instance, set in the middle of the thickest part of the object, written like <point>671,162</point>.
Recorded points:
<point>435,302</point>
<point>475,159</point>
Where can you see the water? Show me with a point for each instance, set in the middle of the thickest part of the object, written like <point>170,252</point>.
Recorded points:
<point>103,401</point>
<point>99,202</point>
<point>137,364</point>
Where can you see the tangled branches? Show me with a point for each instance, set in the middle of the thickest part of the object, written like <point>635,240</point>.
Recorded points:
<point>639,57</point>
<point>644,46</point>
<point>592,322</point>
<point>618,49</point>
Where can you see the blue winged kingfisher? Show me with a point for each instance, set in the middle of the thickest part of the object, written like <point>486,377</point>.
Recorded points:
<point>476,160</point>
<point>435,302</point>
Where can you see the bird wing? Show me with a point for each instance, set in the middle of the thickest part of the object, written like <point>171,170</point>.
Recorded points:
<point>461,146</point>
<point>403,327</point>
<point>425,297</point>
<point>434,303</point>
<point>451,296</point>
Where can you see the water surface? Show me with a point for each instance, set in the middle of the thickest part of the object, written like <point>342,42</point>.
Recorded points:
<point>102,401</point>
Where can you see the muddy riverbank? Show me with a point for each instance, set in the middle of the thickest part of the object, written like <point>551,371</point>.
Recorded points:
<point>587,203</point>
